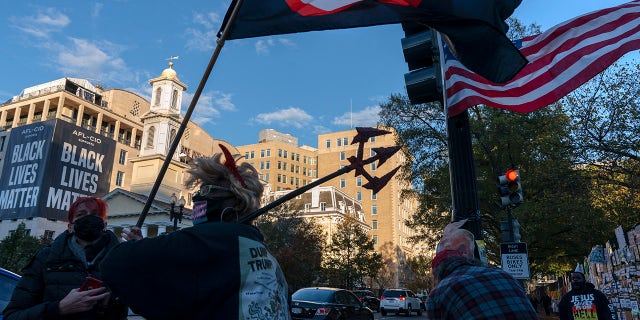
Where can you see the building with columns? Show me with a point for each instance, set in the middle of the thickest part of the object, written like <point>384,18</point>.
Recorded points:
<point>143,131</point>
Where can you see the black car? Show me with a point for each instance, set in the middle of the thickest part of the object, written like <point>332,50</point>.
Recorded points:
<point>328,303</point>
<point>368,298</point>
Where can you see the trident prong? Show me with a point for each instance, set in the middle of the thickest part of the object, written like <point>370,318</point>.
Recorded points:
<point>357,163</point>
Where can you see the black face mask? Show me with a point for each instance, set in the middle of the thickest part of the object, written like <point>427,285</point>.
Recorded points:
<point>89,228</point>
<point>578,285</point>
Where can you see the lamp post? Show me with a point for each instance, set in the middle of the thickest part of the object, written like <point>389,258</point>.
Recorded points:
<point>176,216</point>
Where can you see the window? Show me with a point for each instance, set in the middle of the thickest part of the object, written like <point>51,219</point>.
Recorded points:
<point>268,152</point>
<point>293,168</point>
<point>285,154</point>
<point>323,206</point>
<point>267,165</point>
<point>284,166</point>
<point>307,207</point>
<point>339,142</point>
<point>291,179</point>
<point>375,239</point>
<point>158,95</point>
<point>359,181</point>
<point>261,153</point>
<point>374,196</point>
<point>279,165</point>
<point>373,166</point>
<point>174,99</point>
<point>343,183</point>
<point>374,224</point>
<point>266,177</point>
<point>279,177</point>
<point>374,209</point>
<point>359,195</point>
<point>253,153</point>
<point>328,142</point>
<point>150,136</point>
<point>345,141</point>
<point>123,157</point>
<point>343,155</point>
<point>246,155</point>
<point>48,234</point>
<point>372,139</point>
<point>119,178</point>
<point>280,153</point>
<point>261,165</point>
<point>172,136</point>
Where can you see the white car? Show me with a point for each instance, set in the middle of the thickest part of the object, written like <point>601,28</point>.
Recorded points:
<point>399,301</point>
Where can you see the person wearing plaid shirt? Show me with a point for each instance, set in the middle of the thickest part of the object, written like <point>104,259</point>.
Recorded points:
<point>467,290</point>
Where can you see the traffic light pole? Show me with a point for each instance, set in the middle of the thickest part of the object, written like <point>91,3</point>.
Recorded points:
<point>464,191</point>
<point>512,237</point>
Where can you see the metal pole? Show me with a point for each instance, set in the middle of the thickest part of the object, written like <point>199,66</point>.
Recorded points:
<point>187,116</point>
<point>512,237</point>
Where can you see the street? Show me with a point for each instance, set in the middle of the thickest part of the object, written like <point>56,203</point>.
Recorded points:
<point>393,316</point>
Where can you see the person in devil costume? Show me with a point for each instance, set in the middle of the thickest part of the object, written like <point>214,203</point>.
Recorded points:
<point>217,269</point>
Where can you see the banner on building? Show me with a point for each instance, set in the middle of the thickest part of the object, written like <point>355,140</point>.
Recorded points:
<point>48,165</point>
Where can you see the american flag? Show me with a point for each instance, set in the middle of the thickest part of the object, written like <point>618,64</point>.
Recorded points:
<point>560,60</point>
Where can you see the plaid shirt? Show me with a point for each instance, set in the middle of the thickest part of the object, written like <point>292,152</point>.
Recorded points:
<point>468,291</point>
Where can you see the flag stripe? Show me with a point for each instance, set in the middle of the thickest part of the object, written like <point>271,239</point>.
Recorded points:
<point>560,60</point>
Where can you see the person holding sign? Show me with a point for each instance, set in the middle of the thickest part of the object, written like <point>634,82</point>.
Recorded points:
<point>467,290</point>
<point>584,301</point>
<point>217,269</point>
<point>63,280</point>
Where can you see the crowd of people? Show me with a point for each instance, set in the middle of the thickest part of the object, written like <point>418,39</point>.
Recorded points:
<point>221,269</point>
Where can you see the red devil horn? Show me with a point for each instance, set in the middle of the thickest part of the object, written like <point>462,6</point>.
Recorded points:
<point>230,163</point>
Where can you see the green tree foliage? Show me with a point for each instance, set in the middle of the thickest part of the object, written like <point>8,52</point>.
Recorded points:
<point>17,249</point>
<point>350,257</point>
<point>296,243</point>
<point>606,119</point>
<point>557,218</point>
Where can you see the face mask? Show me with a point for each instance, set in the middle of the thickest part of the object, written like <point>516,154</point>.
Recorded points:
<point>88,228</point>
<point>578,285</point>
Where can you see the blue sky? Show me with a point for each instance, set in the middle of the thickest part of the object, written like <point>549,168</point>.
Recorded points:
<point>303,84</point>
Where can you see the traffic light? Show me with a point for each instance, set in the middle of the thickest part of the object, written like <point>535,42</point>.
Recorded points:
<point>421,54</point>
<point>510,188</point>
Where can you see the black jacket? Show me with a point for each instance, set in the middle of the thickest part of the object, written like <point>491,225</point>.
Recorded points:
<point>52,273</point>
<point>213,270</point>
<point>587,302</point>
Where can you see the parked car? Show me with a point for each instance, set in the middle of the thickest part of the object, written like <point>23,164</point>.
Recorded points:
<point>368,298</point>
<point>399,301</point>
<point>328,303</point>
<point>8,281</point>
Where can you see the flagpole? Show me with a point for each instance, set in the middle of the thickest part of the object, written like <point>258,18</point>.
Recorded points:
<point>462,174</point>
<point>187,116</point>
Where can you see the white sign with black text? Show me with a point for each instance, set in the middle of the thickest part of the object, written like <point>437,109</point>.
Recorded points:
<point>515,260</point>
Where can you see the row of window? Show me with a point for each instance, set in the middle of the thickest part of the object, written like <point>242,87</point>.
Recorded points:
<point>265,153</point>
<point>343,142</point>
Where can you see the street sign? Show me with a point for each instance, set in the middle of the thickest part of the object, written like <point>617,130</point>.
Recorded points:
<point>515,260</point>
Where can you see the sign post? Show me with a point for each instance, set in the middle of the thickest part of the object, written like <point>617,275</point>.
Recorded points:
<point>515,260</point>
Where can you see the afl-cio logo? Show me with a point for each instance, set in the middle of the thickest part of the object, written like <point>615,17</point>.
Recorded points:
<point>322,7</point>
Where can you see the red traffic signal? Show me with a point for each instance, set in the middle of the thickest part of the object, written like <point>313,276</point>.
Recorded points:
<point>512,175</point>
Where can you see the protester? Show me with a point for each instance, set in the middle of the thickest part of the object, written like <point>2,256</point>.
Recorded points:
<point>546,303</point>
<point>467,290</point>
<point>217,269</point>
<point>49,287</point>
<point>584,301</point>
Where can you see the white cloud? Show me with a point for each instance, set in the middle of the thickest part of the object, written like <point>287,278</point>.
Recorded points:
<point>209,106</point>
<point>97,8</point>
<point>367,117</point>
<point>42,24</point>
<point>85,59</point>
<point>202,37</point>
<point>290,117</point>
<point>263,46</point>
